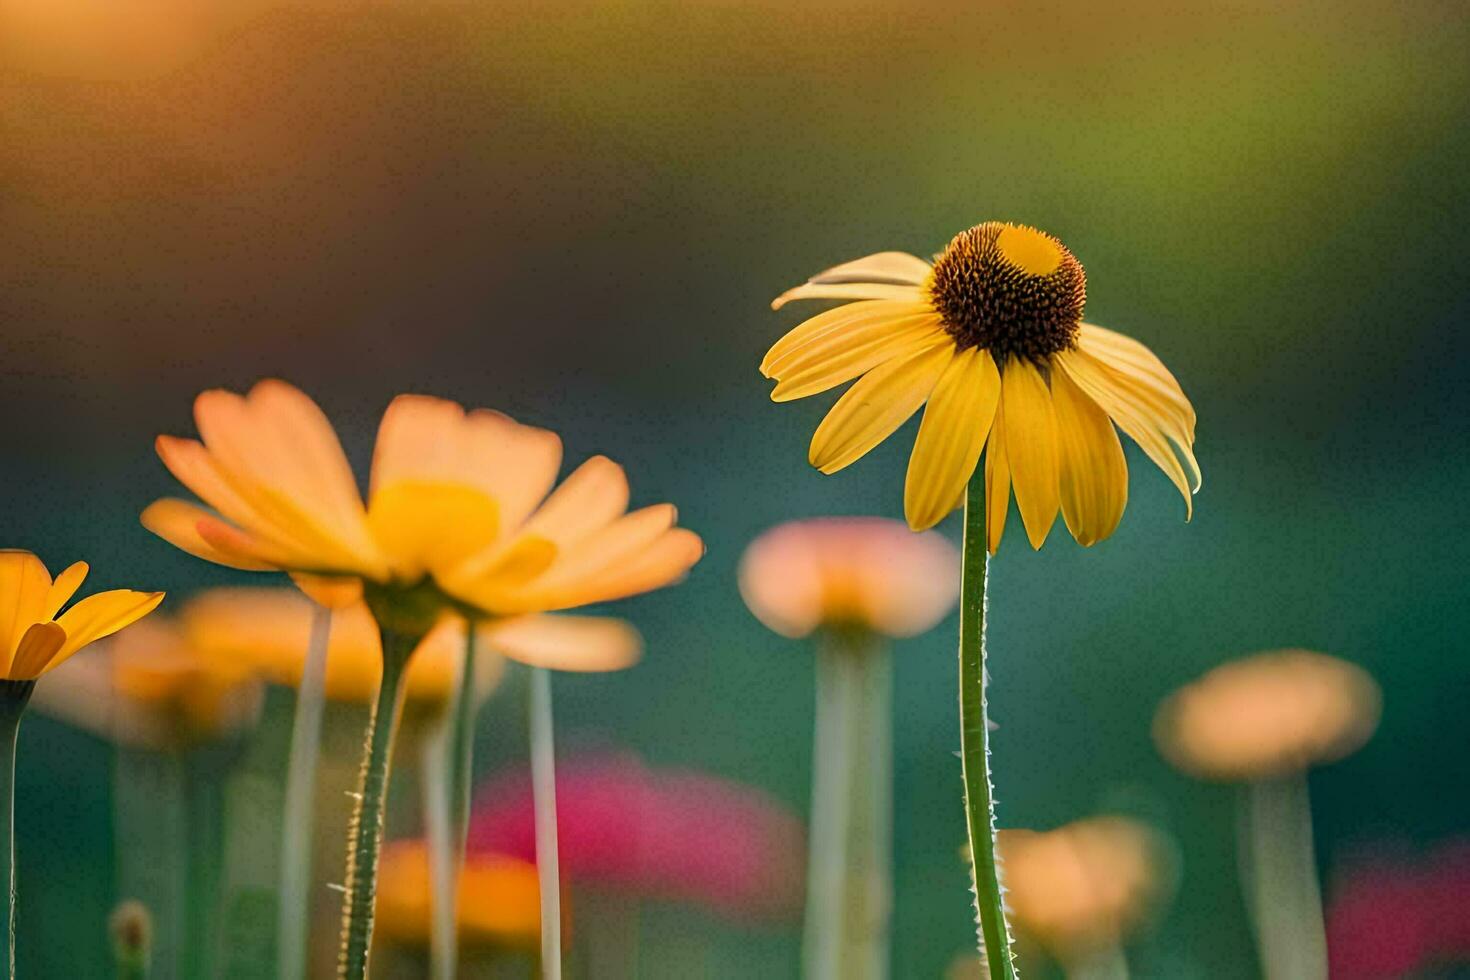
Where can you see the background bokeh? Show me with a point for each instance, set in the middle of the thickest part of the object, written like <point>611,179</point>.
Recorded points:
<point>578,213</point>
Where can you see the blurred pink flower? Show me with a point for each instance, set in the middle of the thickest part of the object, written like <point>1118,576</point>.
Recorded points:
<point>1391,915</point>
<point>667,834</point>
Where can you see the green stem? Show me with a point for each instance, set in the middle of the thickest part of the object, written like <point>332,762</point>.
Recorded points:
<point>1282,893</point>
<point>993,934</point>
<point>365,833</point>
<point>439,837</point>
<point>543,793</point>
<point>294,913</point>
<point>833,765</point>
<point>13,698</point>
<point>870,901</point>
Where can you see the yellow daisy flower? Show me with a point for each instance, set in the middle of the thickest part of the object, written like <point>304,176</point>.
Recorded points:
<point>33,638</point>
<point>991,336</point>
<point>458,505</point>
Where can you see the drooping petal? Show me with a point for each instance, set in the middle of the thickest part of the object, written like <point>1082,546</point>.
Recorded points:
<point>64,588</point>
<point>24,584</point>
<point>573,643</point>
<point>997,481</point>
<point>1128,356</point>
<point>876,405</point>
<point>177,522</point>
<point>951,437</point>
<point>843,355</point>
<point>896,268</point>
<point>102,615</point>
<point>838,318</point>
<point>1031,446</point>
<point>1135,418</point>
<point>36,649</point>
<point>1094,473</point>
<point>853,290</point>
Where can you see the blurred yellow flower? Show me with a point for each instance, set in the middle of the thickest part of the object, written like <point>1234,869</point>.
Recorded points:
<point>991,337</point>
<point>499,898</point>
<point>867,573</point>
<point>1082,888</point>
<point>33,638</point>
<point>269,628</point>
<point>459,506</point>
<point>151,686</point>
<point>1268,715</point>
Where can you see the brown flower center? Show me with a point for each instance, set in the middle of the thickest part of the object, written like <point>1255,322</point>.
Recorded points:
<point>1010,289</point>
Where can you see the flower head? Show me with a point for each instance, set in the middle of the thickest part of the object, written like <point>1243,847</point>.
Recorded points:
<point>499,898</point>
<point>1268,715</point>
<point>867,573</point>
<point>269,630</point>
<point>151,686</point>
<point>33,638</point>
<point>991,337</point>
<point>1086,885</point>
<point>664,834</point>
<point>460,513</point>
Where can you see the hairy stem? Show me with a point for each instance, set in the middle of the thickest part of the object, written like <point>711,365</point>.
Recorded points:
<point>13,698</point>
<point>293,913</point>
<point>365,833</point>
<point>993,934</point>
<point>543,791</point>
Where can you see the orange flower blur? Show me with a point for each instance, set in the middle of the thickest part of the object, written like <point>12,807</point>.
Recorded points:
<point>850,572</point>
<point>1269,715</point>
<point>499,898</point>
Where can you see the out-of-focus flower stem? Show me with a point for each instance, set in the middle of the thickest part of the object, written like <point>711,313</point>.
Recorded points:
<point>448,757</point>
<point>1279,866</point>
<point>993,934</point>
<point>848,892</point>
<point>365,834</point>
<point>13,698</point>
<point>543,791</point>
<point>296,813</point>
<point>204,816</point>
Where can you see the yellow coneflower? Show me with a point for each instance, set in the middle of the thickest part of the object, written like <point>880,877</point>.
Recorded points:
<point>33,641</point>
<point>1262,721</point>
<point>859,581</point>
<point>991,336</point>
<point>461,519</point>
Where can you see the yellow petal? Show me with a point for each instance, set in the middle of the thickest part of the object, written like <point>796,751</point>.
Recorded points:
<point>424,527</point>
<point>662,563</point>
<point>36,649</point>
<point>574,643</point>
<point>333,592</point>
<point>1126,355</point>
<point>895,268</point>
<point>842,355</point>
<point>1031,446</point>
<point>1094,474</point>
<point>24,584</point>
<point>64,588</point>
<point>997,481</point>
<point>102,615</point>
<point>1114,396</point>
<point>177,522</point>
<point>951,437</point>
<point>854,290</point>
<point>838,318</point>
<point>880,402</point>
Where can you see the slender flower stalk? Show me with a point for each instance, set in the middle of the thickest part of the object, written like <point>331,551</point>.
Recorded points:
<point>870,905</point>
<point>297,812</point>
<point>13,698</point>
<point>834,758</point>
<point>543,787</point>
<point>204,815</point>
<point>439,845</point>
<point>993,933</point>
<point>1280,875</point>
<point>365,832</point>
<point>462,745</point>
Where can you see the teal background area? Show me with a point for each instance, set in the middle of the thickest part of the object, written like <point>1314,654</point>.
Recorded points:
<point>578,213</point>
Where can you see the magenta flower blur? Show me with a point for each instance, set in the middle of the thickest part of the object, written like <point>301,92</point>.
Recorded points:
<point>670,834</point>
<point>1392,916</point>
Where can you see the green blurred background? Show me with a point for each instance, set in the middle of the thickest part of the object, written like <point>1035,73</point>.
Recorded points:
<point>578,213</point>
